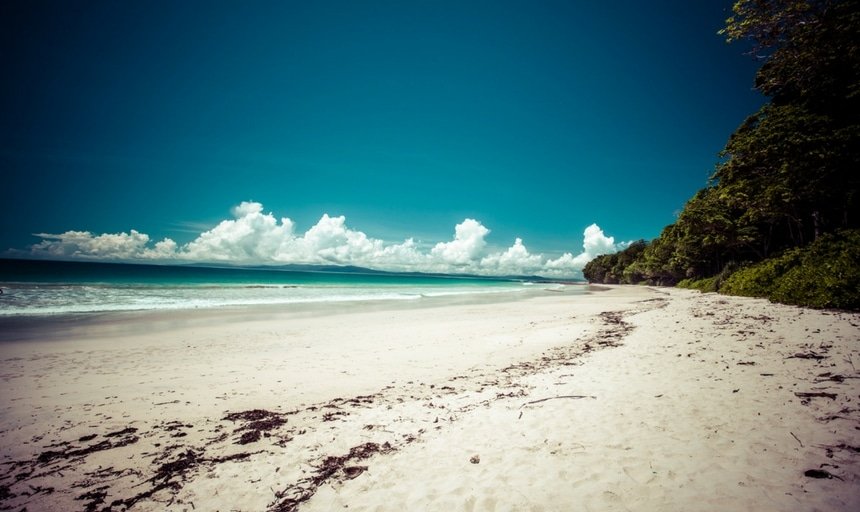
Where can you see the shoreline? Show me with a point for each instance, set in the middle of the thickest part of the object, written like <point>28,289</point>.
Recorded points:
<point>83,325</point>
<point>387,409</point>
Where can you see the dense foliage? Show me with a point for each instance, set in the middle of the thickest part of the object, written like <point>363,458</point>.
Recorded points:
<point>616,268</point>
<point>824,274</point>
<point>788,175</point>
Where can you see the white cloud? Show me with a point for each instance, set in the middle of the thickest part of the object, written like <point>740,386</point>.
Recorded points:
<point>255,237</point>
<point>252,237</point>
<point>82,244</point>
<point>594,244</point>
<point>331,241</point>
<point>515,261</point>
<point>467,244</point>
<point>565,262</point>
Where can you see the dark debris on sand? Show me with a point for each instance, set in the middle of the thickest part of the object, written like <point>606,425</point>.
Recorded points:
<point>127,437</point>
<point>257,423</point>
<point>177,464</point>
<point>331,467</point>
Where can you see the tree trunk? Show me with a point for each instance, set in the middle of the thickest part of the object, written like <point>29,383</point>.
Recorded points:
<point>816,224</point>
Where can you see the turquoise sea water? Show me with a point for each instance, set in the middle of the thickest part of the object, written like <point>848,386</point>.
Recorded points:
<point>38,287</point>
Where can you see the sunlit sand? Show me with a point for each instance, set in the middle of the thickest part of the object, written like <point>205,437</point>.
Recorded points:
<point>627,399</point>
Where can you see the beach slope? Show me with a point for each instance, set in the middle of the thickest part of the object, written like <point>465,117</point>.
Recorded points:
<point>631,398</point>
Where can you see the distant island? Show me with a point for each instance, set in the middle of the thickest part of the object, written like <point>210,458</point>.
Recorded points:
<point>780,217</point>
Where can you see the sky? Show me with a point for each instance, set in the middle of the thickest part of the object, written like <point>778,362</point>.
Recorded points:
<point>413,135</point>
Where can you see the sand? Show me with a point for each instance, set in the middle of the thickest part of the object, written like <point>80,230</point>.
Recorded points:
<point>627,399</point>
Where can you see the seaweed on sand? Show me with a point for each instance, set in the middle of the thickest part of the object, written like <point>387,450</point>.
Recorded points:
<point>258,423</point>
<point>71,451</point>
<point>330,467</point>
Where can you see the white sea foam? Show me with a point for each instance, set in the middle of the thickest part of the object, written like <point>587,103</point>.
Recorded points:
<point>26,300</point>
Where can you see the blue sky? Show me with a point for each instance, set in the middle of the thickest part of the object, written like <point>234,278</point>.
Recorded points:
<point>535,119</point>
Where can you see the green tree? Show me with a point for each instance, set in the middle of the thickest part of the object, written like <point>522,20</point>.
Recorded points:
<point>791,173</point>
<point>599,269</point>
<point>788,175</point>
<point>658,262</point>
<point>808,49</point>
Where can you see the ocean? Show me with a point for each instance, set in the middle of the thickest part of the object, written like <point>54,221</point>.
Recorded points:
<point>40,287</point>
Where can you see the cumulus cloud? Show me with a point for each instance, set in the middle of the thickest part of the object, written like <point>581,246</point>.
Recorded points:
<point>594,244</point>
<point>467,244</point>
<point>83,244</point>
<point>332,241</point>
<point>515,261</point>
<point>253,236</point>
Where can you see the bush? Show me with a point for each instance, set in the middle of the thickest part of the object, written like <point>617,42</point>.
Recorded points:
<point>708,284</point>
<point>825,274</point>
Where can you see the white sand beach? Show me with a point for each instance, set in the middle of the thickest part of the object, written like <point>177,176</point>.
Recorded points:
<point>632,398</point>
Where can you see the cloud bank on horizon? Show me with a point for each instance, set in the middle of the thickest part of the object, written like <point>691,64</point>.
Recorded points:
<point>254,237</point>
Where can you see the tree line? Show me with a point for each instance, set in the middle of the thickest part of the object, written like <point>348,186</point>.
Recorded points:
<point>779,217</point>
